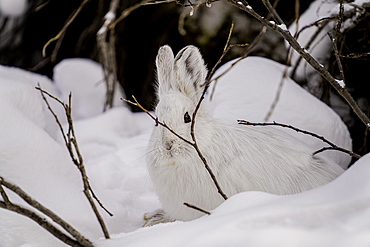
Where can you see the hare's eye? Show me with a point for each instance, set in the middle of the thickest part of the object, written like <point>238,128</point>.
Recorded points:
<point>187,118</point>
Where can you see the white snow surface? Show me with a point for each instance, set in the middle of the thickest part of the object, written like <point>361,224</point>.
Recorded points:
<point>13,8</point>
<point>113,145</point>
<point>85,79</point>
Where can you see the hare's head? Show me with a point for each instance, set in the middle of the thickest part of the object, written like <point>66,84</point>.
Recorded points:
<point>179,81</point>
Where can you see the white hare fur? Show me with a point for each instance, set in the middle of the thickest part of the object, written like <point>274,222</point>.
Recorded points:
<point>243,158</point>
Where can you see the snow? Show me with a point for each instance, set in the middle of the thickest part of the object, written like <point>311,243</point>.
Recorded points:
<point>85,78</point>
<point>109,18</point>
<point>283,27</point>
<point>13,8</point>
<point>113,145</point>
<point>341,83</point>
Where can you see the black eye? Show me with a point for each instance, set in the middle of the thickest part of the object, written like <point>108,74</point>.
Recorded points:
<point>187,118</point>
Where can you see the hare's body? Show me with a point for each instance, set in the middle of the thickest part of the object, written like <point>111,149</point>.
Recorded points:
<point>243,158</point>
<point>248,90</point>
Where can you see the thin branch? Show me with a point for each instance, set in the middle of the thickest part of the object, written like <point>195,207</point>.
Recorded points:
<point>195,145</point>
<point>332,145</point>
<point>273,12</point>
<point>196,208</point>
<point>280,88</point>
<point>337,58</point>
<point>132,8</point>
<point>129,10</point>
<point>309,43</point>
<point>72,147</point>
<point>64,29</point>
<point>355,55</point>
<point>81,240</point>
<point>284,32</point>
<point>227,47</point>
<point>43,5</point>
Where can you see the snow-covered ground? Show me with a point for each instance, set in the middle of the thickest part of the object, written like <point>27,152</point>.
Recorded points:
<point>113,144</point>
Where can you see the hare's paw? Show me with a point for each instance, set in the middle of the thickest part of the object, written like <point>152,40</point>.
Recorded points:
<point>156,217</point>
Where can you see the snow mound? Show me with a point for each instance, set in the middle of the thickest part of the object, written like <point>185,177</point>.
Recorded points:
<point>85,79</point>
<point>18,89</point>
<point>248,90</point>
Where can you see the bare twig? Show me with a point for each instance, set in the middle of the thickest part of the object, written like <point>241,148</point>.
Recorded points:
<point>334,40</point>
<point>192,143</point>
<point>284,32</point>
<point>309,43</point>
<point>128,11</point>
<point>285,73</point>
<point>132,8</point>
<point>273,12</point>
<point>337,57</point>
<point>227,47</point>
<point>332,145</point>
<point>196,208</point>
<point>62,31</point>
<point>355,55</point>
<point>7,204</point>
<point>72,146</point>
<point>43,5</point>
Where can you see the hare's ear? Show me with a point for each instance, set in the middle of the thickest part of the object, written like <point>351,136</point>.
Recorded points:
<point>190,71</point>
<point>165,69</point>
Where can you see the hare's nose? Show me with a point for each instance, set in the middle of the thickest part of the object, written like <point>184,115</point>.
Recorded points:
<point>168,145</point>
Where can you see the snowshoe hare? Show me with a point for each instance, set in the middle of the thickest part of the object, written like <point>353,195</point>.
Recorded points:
<point>243,158</point>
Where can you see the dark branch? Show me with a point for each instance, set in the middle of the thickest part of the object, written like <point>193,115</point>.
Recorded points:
<point>196,208</point>
<point>332,145</point>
